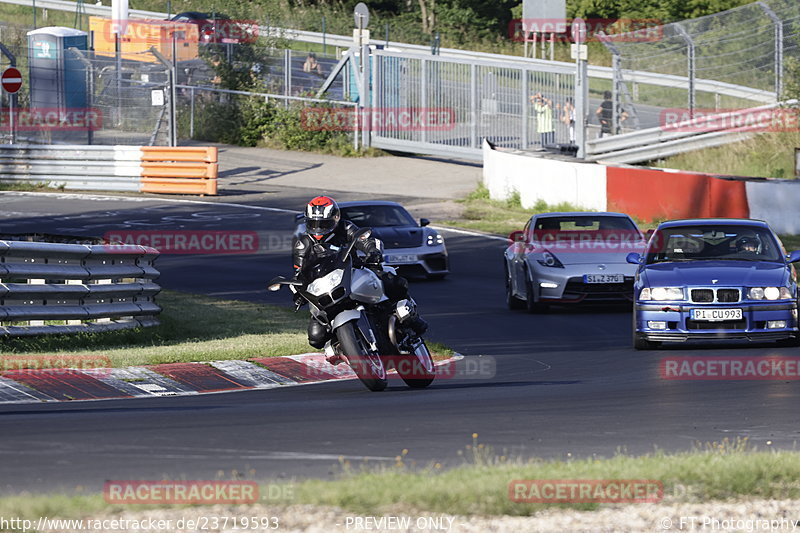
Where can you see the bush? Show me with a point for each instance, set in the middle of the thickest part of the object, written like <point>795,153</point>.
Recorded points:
<point>252,121</point>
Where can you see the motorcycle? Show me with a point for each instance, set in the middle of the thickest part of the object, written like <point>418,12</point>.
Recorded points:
<point>365,328</point>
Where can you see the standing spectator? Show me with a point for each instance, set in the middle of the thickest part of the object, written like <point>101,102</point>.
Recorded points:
<point>543,107</point>
<point>568,117</point>
<point>605,114</point>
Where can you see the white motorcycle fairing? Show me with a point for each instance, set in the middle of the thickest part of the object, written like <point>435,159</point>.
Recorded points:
<point>366,287</point>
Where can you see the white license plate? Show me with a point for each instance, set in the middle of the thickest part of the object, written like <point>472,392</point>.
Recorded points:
<point>603,278</point>
<point>712,315</point>
<point>401,258</point>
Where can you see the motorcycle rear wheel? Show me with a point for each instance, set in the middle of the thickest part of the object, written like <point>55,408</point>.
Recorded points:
<point>368,366</point>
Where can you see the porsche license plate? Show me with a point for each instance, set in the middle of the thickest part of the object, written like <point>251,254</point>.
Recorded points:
<point>603,278</point>
<point>401,258</point>
<point>712,315</point>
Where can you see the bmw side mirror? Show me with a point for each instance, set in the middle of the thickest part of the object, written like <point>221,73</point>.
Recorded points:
<point>794,257</point>
<point>634,258</point>
<point>424,222</point>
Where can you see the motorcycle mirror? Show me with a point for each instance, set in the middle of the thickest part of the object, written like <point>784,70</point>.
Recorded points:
<point>274,287</point>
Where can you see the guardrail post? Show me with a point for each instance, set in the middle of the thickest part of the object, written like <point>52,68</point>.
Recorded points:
<point>778,48</point>
<point>89,87</point>
<point>473,105</point>
<point>171,77</point>
<point>364,99</point>
<point>690,56</point>
<point>423,92</point>
<point>12,98</point>
<point>287,72</point>
<point>616,80</point>
<point>191,114</point>
<point>525,110</point>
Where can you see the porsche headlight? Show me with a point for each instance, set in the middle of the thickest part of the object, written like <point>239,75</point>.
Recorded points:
<point>326,283</point>
<point>666,293</point>
<point>435,240</point>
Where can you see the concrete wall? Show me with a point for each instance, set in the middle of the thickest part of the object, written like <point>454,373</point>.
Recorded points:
<point>650,194</point>
<point>534,178</point>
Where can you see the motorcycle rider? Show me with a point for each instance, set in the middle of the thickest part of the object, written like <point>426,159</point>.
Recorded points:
<point>326,231</point>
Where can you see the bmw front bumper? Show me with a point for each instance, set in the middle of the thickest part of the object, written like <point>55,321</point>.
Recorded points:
<point>672,322</point>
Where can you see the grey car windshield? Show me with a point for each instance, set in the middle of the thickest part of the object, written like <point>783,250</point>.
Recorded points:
<point>376,216</point>
<point>713,243</point>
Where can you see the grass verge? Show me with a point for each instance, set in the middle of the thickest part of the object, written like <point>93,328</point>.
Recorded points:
<point>481,213</point>
<point>193,328</point>
<point>729,469</point>
<point>768,155</point>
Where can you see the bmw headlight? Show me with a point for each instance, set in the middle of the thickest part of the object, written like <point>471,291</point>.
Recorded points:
<point>435,239</point>
<point>662,294</point>
<point>326,283</point>
<point>549,260</point>
<point>769,293</point>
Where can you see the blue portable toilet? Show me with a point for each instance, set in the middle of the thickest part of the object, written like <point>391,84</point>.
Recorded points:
<point>57,77</point>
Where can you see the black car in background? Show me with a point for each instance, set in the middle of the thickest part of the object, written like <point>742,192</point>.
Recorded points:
<point>415,249</point>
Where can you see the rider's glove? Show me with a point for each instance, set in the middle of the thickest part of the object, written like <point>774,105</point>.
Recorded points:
<point>374,257</point>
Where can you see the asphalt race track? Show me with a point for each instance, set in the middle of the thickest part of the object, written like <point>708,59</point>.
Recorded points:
<point>566,383</point>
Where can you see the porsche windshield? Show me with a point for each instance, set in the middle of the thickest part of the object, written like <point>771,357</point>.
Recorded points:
<point>713,243</point>
<point>376,216</point>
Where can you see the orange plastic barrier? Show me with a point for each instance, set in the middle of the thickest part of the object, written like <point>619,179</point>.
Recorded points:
<point>656,194</point>
<point>179,170</point>
<point>206,154</point>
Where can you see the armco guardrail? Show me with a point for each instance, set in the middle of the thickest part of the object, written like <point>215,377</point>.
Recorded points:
<point>672,139</point>
<point>179,170</point>
<point>50,287</point>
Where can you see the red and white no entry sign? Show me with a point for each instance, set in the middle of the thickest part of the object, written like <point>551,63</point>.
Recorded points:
<point>11,80</point>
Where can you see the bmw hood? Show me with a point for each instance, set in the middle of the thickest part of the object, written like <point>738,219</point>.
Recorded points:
<point>399,236</point>
<point>727,273</point>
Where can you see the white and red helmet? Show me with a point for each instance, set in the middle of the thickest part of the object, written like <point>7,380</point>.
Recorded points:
<point>322,216</point>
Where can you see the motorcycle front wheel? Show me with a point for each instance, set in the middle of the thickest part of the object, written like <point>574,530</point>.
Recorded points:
<point>368,366</point>
<point>417,368</point>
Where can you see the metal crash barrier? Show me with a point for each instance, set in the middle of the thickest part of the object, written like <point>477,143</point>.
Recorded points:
<point>49,288</point>
<point>157,169</point>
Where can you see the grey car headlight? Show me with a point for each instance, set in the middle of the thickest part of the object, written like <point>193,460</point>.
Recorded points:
<point>549,260</point>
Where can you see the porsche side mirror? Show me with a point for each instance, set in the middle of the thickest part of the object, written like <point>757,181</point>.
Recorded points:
<point>634,258</point>
<point>794,257</point>
<point>424,222</point>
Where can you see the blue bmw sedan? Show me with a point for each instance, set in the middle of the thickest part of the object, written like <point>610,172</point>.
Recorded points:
<point>707,279</point>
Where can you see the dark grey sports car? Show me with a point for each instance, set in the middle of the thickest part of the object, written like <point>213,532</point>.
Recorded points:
<point>413,248</point>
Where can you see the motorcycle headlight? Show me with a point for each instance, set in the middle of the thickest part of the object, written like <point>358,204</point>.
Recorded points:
<point>326,283</point>
<point>435,240</point>
<point>549,260</point>
<point>667,293</point>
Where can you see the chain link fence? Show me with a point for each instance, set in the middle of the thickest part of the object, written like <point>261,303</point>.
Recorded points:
<point>746,47</point>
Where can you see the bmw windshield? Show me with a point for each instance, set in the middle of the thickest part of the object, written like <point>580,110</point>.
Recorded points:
<point>713,243</point>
